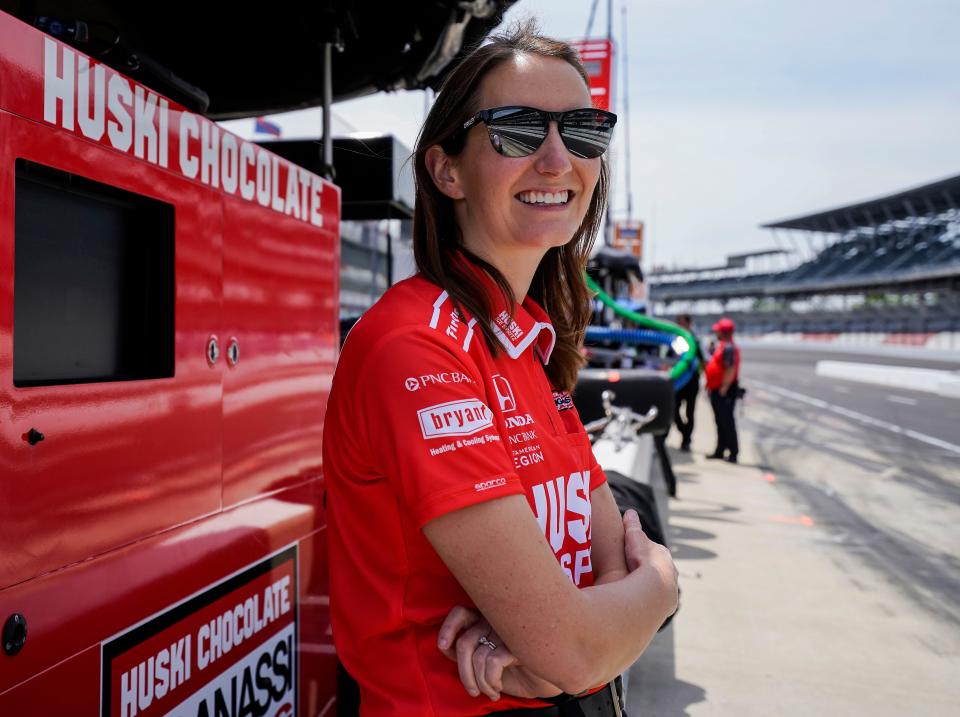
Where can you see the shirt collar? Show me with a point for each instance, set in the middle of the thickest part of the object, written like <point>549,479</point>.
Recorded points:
<point>529,325</point>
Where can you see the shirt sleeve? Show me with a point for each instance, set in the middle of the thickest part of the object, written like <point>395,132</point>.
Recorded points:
<point>428,425</point>
<point>597,476</point>
<point>729,356</point>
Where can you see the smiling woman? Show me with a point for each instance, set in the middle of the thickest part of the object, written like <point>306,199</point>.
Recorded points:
<point>478,562</point>
<point>517,92</point>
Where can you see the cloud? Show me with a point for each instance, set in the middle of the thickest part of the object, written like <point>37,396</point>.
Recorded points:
<point>705,182</point>
<point>747,111</point>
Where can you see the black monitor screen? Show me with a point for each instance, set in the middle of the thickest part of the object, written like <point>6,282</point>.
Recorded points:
<point>93,281</point>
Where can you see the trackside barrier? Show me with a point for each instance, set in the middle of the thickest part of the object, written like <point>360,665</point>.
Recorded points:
<point>938,341</point>
<point>940,383</point>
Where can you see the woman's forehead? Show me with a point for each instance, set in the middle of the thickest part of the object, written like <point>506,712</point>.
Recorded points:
<point>547,83</point>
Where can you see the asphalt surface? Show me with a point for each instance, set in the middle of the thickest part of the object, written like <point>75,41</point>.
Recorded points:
<point>821,575</point>
<point>887,491</point>
<point>918,411</point>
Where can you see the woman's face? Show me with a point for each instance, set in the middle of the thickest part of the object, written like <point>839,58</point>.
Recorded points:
<point>496,212</point>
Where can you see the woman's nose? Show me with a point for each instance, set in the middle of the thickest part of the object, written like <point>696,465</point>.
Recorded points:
<point>553,157</point>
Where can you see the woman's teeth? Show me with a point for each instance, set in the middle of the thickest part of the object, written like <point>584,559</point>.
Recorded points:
<point>544,197</point>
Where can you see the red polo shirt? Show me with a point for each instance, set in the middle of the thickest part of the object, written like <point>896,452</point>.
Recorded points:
<point>727,354</point>
<point>422,421</point>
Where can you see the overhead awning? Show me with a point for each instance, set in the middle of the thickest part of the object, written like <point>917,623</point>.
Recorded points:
<point>228,62</point>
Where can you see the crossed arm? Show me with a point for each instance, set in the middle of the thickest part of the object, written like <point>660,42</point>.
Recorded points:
<point>551,636</point>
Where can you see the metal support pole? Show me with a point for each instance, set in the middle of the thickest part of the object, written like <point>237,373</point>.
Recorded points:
<point>608,223</point>
<point>610,22</point>
<point>390,224</point>
<point>626,111</point>
<point>593,13</point>
<point>327,164</point>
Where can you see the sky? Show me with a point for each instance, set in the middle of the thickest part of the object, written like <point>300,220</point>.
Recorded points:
<point>743,112</point>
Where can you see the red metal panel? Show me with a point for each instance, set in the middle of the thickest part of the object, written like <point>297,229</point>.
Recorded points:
<point>118,514</point>
<point>69,611</point>
<point>68,688</point>
<point>121,460</point>
<point>19,68</point>
<point>318,656</point>
<point>279,290</point>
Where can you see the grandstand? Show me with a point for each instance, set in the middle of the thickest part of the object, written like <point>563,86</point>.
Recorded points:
<point>890,264</point>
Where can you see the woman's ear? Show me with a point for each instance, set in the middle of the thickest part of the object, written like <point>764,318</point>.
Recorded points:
<point>443,170</point>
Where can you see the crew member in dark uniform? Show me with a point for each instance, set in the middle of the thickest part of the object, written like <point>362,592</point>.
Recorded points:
<point>722,378</point>
<point>686,397</point>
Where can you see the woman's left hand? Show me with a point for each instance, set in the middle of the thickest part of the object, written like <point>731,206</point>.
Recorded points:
<point>487,667</point>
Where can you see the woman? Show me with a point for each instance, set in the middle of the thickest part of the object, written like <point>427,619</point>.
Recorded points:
<point>478,562</point>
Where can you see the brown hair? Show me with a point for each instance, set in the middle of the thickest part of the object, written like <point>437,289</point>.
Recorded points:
<point>558,284</point>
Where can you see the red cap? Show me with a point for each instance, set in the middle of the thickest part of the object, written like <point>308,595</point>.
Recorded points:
<point>724,326</point>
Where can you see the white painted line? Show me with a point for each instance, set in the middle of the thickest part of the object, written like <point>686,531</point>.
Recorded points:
<point>841,389</point>
<point>859,417</point>
<point>902,399</point>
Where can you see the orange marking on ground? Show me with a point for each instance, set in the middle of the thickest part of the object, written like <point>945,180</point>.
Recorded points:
<point>769,477</point>
<point>804,520</point>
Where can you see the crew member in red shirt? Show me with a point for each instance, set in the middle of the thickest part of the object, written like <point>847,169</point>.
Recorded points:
<point>478,561</point>
<point>722,379</point>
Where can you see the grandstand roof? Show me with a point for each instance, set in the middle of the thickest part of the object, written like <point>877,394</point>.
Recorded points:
<point>752,254</point>
<point>734,261</point>
<point>934,198</point>
<point>740,260</point>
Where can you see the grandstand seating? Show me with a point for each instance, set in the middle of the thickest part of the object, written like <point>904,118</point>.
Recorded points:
<point>906,244</point>
<point>861,261</point>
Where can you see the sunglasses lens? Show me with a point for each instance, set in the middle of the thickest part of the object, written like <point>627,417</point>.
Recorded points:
<point>519,131</point>
<point>586,133</point>
<point>516,131</point>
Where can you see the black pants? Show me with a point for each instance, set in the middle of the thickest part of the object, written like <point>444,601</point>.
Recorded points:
<point>726,425</point>
<point>684,405</point>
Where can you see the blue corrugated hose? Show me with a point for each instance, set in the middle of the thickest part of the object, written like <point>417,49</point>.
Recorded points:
<point>687,362</point>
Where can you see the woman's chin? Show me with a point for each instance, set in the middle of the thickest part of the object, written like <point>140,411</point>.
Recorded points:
<point>546,238</point>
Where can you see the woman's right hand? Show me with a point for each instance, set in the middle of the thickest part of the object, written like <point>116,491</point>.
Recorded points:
<point>640,551</point>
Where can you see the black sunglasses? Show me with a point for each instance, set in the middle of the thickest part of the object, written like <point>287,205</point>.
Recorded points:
<point>519,131</point>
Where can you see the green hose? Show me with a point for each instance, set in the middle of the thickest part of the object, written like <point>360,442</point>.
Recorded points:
<point>689,356</point>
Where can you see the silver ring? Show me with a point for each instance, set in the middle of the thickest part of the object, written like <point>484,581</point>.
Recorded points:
<point>484,641</point>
